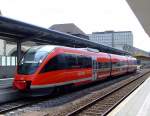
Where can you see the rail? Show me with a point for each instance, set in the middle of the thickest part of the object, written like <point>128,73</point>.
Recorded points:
<point>84,109</point>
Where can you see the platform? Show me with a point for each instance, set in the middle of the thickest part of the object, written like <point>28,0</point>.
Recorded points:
<point>7,93</point>
<point>137,104</point>
<point>6,83</point>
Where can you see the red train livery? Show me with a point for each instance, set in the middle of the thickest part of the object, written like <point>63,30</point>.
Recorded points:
<point>43,68</point>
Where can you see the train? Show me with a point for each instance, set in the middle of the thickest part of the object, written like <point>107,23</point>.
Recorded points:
<point>44,68</point>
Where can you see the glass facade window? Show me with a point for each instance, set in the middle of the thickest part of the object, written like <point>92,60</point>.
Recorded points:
<point>8,61</point>
<point>107,38</point>
<point>3,61</point>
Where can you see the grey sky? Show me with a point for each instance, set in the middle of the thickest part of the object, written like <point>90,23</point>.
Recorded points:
<point>89,15</point>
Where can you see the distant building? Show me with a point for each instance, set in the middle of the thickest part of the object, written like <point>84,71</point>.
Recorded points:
<point>112,38</point>
<point>135,51</point>
<point>69,28</point>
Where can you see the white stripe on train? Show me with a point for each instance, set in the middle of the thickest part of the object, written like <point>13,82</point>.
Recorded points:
<point>61,83</point>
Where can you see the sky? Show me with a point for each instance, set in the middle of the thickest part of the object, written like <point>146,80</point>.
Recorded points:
<point>88,15</point>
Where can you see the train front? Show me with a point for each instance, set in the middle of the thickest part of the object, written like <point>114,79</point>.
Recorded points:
<point>29,66</point>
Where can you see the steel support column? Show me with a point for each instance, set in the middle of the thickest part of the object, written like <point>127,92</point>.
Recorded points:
<point>18,51</point>
<point>113,43</point>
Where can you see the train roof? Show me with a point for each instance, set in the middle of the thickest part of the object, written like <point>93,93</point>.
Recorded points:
<point>49,48</point>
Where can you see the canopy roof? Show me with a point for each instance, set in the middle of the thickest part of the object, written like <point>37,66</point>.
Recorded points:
<point>14,31</point>
<point>141,9</point>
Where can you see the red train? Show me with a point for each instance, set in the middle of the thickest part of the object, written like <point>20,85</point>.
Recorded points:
<point>44,68</point>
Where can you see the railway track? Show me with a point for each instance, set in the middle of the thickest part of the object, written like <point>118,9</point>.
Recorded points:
<point>5,108</point>
<point>103,104</point>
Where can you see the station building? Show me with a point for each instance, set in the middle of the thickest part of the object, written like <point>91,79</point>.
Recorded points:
<point>70,28</point>
<point>113,39</point>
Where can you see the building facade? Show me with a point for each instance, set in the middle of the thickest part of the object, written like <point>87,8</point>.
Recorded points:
<point>112,38</point>
<point>69,28</point>
<point>135,51</point>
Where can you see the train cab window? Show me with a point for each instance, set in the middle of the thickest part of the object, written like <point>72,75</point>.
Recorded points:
<point>31,60</point>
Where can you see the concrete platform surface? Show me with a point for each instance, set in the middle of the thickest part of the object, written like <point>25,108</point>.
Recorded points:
<point>6,83</point>
<point>9,94</point>
<point>137,104</point>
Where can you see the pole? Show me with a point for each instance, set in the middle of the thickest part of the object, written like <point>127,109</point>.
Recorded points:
<point>4,52</point>
<point>18,51</point>
<point>113,39</point>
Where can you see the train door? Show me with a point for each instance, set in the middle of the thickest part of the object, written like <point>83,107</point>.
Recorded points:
<point>94,68</point>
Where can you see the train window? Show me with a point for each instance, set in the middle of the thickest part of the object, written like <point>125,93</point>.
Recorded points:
<point>99,65</point>
<point>131,62</point>
<point>51,65</point>
<point>88,62</point>
<point>80,61</point>
<point>67,61</point>
<point>108,64</point>
<point>135,62</point>
<point>71,61</point>
<point>115,64</point>
<point>84,62</point>
<point>119,64</point>
<point>56,63</point>
<point>104,65</point>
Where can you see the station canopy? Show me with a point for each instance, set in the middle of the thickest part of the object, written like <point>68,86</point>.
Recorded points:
<point>141,9</point>
<point>14,31</point>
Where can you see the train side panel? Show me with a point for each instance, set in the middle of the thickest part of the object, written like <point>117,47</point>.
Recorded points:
<point>132,64</point>
<point>103,65</point>
<point>119,65</point>
<point>65,66</point>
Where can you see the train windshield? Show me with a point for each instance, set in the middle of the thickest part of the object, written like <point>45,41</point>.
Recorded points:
<point>32,59</point>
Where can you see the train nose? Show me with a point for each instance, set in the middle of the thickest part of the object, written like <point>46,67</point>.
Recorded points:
<point>22,85</point>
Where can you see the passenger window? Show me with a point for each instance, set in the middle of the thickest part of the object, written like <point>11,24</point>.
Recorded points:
<point>51,65</point>
<point>67,61</point>
<point>104,65</point>
<point>88,62</point>
<point>71,61</point>
<point>84,62</point>
<point>114,64</point>
<point>56,63</point>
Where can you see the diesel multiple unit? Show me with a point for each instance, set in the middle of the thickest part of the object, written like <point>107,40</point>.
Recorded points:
<point>47,67</point>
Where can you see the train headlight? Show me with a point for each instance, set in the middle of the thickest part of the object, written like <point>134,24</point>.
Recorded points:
<point>22,85</point>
